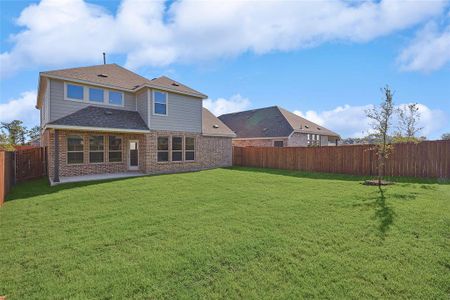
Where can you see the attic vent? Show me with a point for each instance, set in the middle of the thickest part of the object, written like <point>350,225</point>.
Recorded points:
<point>215,126</point>
<point>306,126</point>
<point>175,84</point>
<point>154,78</point>
<point>318,128</point>
<point>136,86</point>
<point>108,113</point>
<point>264,129</point>
<point>102,75</point>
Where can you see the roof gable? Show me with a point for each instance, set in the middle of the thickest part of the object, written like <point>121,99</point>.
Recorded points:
<point>115,76</point>
<point>263,122</point>
<point>211,125</point>
<point>271,121</point>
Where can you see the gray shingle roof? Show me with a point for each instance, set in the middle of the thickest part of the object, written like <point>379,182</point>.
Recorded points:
<point>271,121</point>
<point>211,125</point>
<point>116,76</point>
<point>103,117</point>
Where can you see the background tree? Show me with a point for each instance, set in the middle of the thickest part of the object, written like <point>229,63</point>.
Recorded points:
<point>445,136</point>
<point>381,117</point>
<point>408,119</point>
<point>34,133</point>
<point>15,132</point>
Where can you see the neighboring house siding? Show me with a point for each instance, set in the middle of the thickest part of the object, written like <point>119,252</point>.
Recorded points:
<point>142,105</point>
<point>60,107</point>
<point>298,140</point>
<point>259,142</point>
<point>323,140</point>
<point>184,114</point>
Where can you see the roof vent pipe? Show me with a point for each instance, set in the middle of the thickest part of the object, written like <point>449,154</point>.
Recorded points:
<point>104,58</point>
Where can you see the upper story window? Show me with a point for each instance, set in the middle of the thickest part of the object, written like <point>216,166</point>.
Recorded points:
<point>159,103</point>
<point>115,98</point>
<point>74,92</point>
<point>96,95</point>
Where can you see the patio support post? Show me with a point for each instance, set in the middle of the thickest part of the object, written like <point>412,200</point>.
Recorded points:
<point>56,156</point>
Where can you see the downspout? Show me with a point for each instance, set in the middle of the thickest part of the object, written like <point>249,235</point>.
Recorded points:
<point>56,157</point>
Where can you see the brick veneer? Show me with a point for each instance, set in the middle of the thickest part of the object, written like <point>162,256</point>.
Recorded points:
<point>210,152</point>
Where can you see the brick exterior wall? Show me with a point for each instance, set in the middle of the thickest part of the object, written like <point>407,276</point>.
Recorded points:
<point>210,152</point>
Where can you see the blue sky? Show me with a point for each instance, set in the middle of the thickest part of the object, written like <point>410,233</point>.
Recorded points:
<point>326,61</point>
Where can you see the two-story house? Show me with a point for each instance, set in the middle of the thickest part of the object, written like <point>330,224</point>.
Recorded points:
<point>107,119</point>
<point>276,127</point>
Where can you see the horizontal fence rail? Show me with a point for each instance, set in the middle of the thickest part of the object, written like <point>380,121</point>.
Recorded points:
<point>430,159</point>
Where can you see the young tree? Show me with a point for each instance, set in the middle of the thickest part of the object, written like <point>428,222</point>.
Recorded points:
<point>445,136</point>
<point>16,132</point>
<point>34,133</point>
<point>408,117</point>
<point>381,117</point>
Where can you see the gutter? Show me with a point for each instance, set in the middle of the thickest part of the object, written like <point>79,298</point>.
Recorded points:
<point>98,129</point>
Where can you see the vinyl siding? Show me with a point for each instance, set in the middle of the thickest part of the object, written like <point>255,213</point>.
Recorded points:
<point>60,107</point>
<point>184,114</point>
<point>142,105</point>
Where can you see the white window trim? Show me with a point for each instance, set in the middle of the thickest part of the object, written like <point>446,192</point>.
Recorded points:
<point>154,103</point>
<point>74,99</point>
<point>86,95</point>
<point>96,88</point>
<point>111,104</point>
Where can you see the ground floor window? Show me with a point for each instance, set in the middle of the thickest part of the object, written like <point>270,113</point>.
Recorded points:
<point>115,149</point>
<point>96,149</point>
<point>75,149</point>
<point>163,148</point>
<point>177,148</point>
<point>278,144</point>
<point>189,148</point>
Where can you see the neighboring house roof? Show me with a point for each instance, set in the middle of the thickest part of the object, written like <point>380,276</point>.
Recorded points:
<point>271,121</point>
<point>115,76</point>
<point>212,126</point>
<point>102,118</point>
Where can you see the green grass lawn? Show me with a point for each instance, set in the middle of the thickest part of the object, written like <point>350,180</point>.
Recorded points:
<point>226,233</point>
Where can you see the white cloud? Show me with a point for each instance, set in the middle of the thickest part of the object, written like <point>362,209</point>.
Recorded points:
<point>351,121</point>
<point>67,32</point>
<point>222,106</point>
<point>429,51</point>
<point>22,108</point>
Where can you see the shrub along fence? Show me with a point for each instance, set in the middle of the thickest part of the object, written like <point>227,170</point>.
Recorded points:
<point>430,159</point>
<point>21,165</point>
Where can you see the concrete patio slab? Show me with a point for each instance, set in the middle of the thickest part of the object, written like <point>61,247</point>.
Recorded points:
<point>96,177</point>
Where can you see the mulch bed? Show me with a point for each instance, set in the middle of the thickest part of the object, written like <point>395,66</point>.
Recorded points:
<point>375,182</point>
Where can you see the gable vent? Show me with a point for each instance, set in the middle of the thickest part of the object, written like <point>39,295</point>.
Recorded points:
<point>102,75</point>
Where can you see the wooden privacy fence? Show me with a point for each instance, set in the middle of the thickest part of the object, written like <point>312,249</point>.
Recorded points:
<point>30,163</point>
<point>6,174</point>
<point>429,159</point>
<point>19,166</point>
